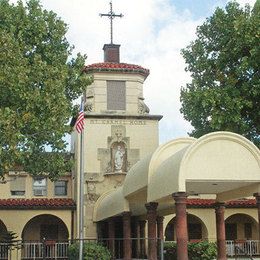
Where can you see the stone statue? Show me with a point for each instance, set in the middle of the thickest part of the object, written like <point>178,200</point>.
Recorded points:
<point>119,159</point>
<point>142,107</point>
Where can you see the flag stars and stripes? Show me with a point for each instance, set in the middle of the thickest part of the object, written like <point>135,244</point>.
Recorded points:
<point>80,120</point>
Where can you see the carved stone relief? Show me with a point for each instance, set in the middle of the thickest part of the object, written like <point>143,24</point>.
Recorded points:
<point>117,157</point>
<point>89,101</point>
<point>142,107</point>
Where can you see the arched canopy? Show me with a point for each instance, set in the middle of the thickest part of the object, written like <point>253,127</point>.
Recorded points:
<point>221,163</point>
<point>138,177</point>
<point>217,163</point>
<point>110,204</point>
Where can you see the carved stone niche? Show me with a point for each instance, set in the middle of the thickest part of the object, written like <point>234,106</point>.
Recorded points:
<point>118,157</point>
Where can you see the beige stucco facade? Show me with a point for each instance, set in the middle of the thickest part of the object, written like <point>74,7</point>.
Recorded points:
<point>222,166</point>
<point>16,221</point>
<point>132,128</point>
<point>29,214</point>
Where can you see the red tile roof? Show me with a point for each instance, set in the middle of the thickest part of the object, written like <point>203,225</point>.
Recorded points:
<point>209,203</point>
<point>37,204</point>
<point>116,67</point>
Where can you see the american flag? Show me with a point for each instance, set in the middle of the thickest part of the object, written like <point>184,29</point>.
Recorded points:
<point>80,120</point>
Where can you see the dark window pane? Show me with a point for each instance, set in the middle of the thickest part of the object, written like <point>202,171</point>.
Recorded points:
<point>60,188</point>
<point>248,230</point>
<point>231,231</point>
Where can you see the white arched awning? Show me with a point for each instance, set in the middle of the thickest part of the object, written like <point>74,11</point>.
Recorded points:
<point>217,163</point>
<point>110,204</point>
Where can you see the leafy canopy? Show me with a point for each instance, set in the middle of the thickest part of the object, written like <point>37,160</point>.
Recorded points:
<point>224,64</point>
<point>39,79</point>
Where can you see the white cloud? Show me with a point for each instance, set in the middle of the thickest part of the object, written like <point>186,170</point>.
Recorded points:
<point>243,2</point>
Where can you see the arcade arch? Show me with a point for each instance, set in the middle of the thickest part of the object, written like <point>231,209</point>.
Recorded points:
<point>3,229</point>
<point>45,226</point>
<point>197,230</point>
<point>241,227</point>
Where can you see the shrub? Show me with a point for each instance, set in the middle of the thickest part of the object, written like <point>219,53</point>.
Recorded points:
<point>196,251</point>
<point>202,251</point>
<point>170,250</point>
<point>91,251</point>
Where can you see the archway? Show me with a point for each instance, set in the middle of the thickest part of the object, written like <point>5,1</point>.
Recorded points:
<point>241,227</point>
<point>3,229</point>
<point>196,229</point>
<point>45,226</point>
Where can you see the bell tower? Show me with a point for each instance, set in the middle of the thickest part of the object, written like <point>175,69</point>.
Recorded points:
<point>119,129</point>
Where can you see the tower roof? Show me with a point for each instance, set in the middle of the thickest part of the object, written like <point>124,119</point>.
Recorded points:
<point>116,67</point>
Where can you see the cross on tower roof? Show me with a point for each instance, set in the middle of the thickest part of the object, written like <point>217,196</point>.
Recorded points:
<point>111,15</point>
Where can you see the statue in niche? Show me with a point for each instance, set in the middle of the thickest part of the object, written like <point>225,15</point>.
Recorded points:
<point>119,157</point>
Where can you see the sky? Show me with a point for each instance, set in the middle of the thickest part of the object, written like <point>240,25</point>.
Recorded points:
<point>151,34</point>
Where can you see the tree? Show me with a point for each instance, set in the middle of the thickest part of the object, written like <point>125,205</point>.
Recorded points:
<point>39,79</point>
<point>224,93</point>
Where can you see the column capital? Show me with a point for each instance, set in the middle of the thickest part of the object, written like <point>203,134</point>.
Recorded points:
<point>151,207</point>
<point>257,196</point>
<point>126,214</point>
<point>142,222</point>
<point>111,219</point>
<point>219,206</point>
<point>180,197</point>
<point>160,219</point>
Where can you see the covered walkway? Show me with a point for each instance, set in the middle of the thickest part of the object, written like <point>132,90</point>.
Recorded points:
<point>222,164</point>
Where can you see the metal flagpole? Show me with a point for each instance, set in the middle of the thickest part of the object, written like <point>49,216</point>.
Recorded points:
<point>81,196</point>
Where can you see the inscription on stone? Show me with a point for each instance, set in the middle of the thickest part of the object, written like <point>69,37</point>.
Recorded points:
<point>117,122</point>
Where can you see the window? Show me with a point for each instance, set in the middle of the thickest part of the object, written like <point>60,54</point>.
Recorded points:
<point>40,186</point>
<point>60,188</point>
<point>248,230</point>
<point>17,186</point>
<point>231,231</point>
<point>49,232</point>
<point>116,95</point>
<point>195,231</point>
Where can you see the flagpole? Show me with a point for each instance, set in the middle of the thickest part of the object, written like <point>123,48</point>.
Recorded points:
<point>81,196</point>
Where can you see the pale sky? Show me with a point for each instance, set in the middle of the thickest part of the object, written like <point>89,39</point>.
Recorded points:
<point>151,34</point>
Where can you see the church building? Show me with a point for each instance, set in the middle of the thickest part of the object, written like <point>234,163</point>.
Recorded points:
<point>137,192</point>
<point>185,190</point>
<point>118,132</point>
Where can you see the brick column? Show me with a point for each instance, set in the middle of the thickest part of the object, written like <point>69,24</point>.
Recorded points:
<point>142,224</point>
<point>152,241</point>
<point>257,197</point>
<point>159,220</point>
<point>220,226</point>
<point>111,236</point>
<point>160,234</point>
<point>127,236</point>
<point>136,241</point>
<point>181,225</point>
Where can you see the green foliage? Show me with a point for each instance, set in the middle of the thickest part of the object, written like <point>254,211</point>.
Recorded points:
<point>196,251</point>
<point>9,238</point>
<point>91,251</point>
<point>224,64</point>
<point>39,79</point>
<point>170,250</point>
<point>202,251</point>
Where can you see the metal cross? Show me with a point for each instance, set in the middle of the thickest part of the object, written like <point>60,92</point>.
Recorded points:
<point>111,15</point>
